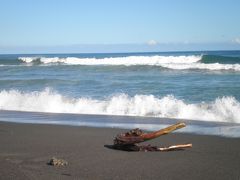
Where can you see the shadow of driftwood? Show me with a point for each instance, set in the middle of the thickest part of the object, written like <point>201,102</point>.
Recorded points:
<point>122,148</point>
<point>135,148</point>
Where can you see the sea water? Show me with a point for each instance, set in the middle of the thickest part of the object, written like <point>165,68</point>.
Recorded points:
<point>183,85</point>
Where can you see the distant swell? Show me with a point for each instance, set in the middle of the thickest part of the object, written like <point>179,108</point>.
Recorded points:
<point>220,59</point>
<point>205,62</point>
<point>213,66</point>
<point>225,109</point>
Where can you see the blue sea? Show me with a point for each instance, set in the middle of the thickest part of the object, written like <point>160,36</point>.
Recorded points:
<point>192,86</point>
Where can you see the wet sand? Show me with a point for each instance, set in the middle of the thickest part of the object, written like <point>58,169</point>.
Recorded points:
<point>25,150</point>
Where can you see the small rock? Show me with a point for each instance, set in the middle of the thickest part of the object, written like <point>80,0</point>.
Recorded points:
<point>57,162</point>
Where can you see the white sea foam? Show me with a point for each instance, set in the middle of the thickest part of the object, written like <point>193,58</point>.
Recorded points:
<point>171,62</point>
<point>28,59</point>
<point>225,109</point>
<point>127,61</point>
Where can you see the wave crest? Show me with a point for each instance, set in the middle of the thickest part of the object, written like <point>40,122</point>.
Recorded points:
<point>225,109</point>
<point>170,62</point>
<point>127,61</point>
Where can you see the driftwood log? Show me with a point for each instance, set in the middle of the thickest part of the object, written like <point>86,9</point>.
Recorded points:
<point>129,141</point>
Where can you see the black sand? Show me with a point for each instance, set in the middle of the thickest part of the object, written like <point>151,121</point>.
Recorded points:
<point>25,150</point>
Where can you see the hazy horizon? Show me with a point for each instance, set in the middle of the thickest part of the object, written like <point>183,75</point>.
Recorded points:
<point>82,49</point>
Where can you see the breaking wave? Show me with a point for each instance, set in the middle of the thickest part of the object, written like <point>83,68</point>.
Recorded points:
<point>225,109</point>
<point>202,62</point>
<point>127,61</point>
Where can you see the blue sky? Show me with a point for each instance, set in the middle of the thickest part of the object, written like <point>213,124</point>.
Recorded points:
<point>29,26</point>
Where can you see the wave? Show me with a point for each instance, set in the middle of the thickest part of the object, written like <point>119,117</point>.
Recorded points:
<point>225,109</point>
<point>220,59</point>
<point>202,66</point>
<point>126,61</point>
<point>202,62</point>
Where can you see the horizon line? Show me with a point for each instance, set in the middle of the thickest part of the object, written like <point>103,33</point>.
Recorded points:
<point>130,52</point>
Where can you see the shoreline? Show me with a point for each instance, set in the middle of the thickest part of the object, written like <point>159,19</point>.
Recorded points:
<point>26,149</point>
<point>225,129</point>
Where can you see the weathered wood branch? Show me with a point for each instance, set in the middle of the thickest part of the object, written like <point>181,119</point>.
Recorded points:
<point>175,147</point>
<point>149,136</point>
<point>129,141</point>
<point>137,136</point>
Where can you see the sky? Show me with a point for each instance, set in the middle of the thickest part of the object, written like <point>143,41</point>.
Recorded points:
<point>65,26</point>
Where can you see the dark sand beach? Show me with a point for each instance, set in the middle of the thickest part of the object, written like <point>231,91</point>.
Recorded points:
<point>26,149</point>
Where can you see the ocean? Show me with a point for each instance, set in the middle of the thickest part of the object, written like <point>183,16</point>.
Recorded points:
<point>189,86</point>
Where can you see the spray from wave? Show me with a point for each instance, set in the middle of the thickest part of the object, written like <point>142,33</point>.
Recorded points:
<point>225,109</point>
<point>170,62</point>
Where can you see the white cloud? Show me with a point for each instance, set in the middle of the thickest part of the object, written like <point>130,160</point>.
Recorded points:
<point>152,42</point>
<point>237,40</point>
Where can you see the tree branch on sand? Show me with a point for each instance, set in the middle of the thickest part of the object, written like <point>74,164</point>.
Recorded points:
<point>129,141</point>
